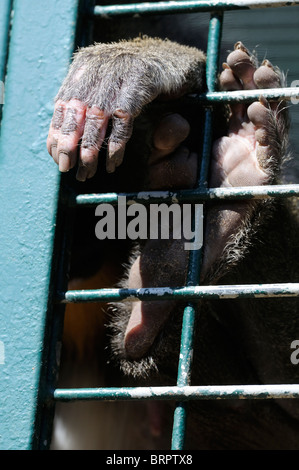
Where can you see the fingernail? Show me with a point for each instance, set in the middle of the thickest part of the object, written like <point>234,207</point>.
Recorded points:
<point>110,165</point>
<point>240,46</point>
<point>115,156</point>
<point>64,161</point>
<point>53,152</point>
<point>267,63</point>
<point>81,173</point>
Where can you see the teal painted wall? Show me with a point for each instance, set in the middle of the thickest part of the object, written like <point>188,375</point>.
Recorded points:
<point>41,43</point>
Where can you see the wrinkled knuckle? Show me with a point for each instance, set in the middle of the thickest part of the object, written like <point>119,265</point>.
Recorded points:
<point>122,114</point>
<point>52,149</point>
<point>122,128</point>
<point>91,138</point>
<point>52,146</point>
<point>95,113</point>
<point>88,159</point>
<point>58,117</point>
<point>70,124</point>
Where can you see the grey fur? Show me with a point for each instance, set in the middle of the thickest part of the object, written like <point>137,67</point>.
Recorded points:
<point>129,74</point>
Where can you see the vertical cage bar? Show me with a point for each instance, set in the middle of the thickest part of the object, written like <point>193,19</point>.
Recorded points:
<point>186,351</point>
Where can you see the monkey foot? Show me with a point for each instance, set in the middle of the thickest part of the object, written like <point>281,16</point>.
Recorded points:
<point>249,155</point>
<point>245,157</point>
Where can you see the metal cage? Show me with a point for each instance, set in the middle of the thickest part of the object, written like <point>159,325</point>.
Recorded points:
<point>37,218</point>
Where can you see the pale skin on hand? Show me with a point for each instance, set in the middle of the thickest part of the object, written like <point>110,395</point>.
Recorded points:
<point>110,83</point>
<point>63,142</point>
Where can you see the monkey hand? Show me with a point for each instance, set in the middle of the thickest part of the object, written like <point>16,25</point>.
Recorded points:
<point>113,82</point>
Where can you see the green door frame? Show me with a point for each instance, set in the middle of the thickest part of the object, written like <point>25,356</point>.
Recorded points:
<point>40,47</point>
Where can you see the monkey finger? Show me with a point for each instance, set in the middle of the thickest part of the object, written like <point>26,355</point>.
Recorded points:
<point>54,131</point>
<point>260,114</point>
<point>242,65</point>
<point>266,76</point>
<point>70,134</point>
<point>228,82</point>
<point>115,155</point>
<point>122,127</point>
<point>65,132</point>
<point>171,131</point>
<point>178,170</point>
<point>96,123</point>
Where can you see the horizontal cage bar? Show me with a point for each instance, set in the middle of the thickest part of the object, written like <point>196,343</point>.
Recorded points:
<point>182,293</point>
<point>190,195</point>
<point>287,93</point>
<point>174,7</point>
<point>184,393</point>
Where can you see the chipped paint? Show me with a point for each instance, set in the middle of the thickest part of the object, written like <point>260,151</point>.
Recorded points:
<point>270,94</point>
<point>195,196</point>
<point>183,6</point>
<point>158,291</point>
<point>186,293</point>
<point>193,392</point>
<point>144,195</point>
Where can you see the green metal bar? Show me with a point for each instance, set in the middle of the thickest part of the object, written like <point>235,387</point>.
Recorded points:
<point>188,325</point>
<point>40,47</point>
<point>271,94</point>
<point>183,393</point>
<point>183,7</point>
<point>242,291</point>
<point>192,195</point>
